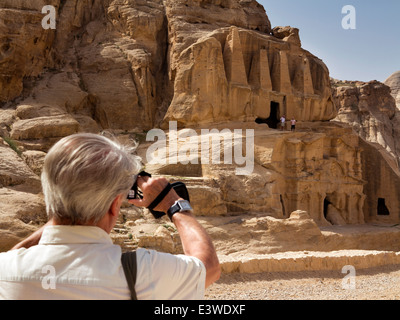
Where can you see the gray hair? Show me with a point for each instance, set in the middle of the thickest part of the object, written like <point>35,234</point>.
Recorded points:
<point>83,174</point>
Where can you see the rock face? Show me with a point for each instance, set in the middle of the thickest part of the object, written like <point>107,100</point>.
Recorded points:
<point>24,44</point>
<point>370,109</point>
<point>22,206</point>
<point>383,182</point>
<point>92,52</point>
<point>135,64</point>
<point>257,76</point>
<point>394,83</point>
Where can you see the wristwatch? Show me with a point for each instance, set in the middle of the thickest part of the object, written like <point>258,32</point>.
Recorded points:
<point>179,206</point>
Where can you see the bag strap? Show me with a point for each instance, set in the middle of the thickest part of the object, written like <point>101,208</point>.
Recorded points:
<point>128,260</point>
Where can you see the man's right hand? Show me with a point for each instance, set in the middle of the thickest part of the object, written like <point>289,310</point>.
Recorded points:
<point>151,188</point>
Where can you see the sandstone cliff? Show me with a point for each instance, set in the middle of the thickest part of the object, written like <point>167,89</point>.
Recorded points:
<point>258,75</point>
<point>195,62</point>
<point>372,112</point>
<point>370,109</point>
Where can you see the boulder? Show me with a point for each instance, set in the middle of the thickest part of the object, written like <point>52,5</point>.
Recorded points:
<point>288,34</point>
<point>14,171</point>
<point>22,208</point>
<point>44,127</point>
<point>17,219</point>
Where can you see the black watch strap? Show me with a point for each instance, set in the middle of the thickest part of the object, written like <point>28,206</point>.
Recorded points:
<point>176,207</point>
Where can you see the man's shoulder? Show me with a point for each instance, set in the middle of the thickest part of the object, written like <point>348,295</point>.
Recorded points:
<point>9,259</point>
<point>152,256</point>
<point>163,275</point>
<point>11,254</point>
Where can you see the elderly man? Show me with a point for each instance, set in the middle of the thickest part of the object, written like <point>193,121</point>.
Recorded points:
<point>85,179</point>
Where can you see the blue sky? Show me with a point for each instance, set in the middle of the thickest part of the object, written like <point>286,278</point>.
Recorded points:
<point>369,52</point>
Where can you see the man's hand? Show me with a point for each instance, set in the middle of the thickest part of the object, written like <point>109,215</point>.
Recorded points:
<point>151,188</point>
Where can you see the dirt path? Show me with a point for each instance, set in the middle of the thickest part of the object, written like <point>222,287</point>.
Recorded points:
<point>381,283</point>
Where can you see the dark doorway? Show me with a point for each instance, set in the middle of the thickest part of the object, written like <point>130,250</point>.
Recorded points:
<point>326,204</point>
<point>261,120</point>
<point>283,206</point>
<point>273,119</point>
<point>382,209</point>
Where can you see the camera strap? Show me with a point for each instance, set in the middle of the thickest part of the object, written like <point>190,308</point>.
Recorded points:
<point>160,197</point>
<point>179,187</point>
<point>128,261</point>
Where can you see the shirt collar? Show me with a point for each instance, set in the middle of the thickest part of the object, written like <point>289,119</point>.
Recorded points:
<point>74,234</point>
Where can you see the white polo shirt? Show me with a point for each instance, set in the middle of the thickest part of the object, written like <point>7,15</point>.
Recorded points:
<point>80,262</point>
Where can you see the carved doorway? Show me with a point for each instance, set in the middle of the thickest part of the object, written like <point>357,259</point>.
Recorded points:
<point>382,209</point>
<point>274,115</point>
<point>326,204</point>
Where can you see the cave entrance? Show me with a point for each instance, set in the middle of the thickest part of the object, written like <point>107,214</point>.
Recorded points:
<point>273,119</point>
<point>382,210</point>
<point>326,204</point>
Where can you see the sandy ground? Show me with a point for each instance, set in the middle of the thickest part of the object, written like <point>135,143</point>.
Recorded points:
<point>381,283</point>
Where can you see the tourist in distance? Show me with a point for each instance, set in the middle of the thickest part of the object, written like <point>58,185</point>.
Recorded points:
<point>293,124</point>
<point>283,122</point>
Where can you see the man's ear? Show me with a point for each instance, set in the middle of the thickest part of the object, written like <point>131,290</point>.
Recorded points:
<point>116,205</point>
